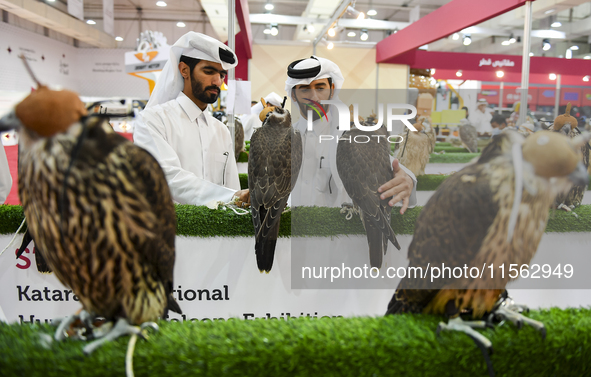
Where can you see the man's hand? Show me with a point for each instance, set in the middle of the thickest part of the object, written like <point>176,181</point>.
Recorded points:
<point>400,187</point>
<point>243,196</point>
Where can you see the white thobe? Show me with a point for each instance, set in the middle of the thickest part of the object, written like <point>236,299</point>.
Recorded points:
<point>318,183</point>
<point>481,121</point>
<point>194,149</point>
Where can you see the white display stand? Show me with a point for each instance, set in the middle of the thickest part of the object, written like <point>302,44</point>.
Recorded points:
<point>218,279</point>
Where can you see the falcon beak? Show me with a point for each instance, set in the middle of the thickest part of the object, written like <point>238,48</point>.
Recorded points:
<point>579,176</point>
<point>9,122</point>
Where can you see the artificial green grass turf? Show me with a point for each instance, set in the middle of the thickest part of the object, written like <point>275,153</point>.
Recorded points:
<point>194,221</point>
<point>243,181</point>
<point>430,182</point>
<point>427,182</point>
<point>452,158</point>
<point>451,149</point>
<point>402,345</point>
<point>242,157</point>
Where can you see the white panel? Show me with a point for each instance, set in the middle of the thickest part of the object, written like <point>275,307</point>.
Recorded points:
<point>108,17</point>
<point>76,8</point>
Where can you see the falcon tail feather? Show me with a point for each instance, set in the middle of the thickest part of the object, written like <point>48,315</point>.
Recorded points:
<point>265,249</point>
<point>41,263</point>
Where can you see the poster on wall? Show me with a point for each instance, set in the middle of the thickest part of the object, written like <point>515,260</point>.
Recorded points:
<point>76,8</point>
<point>108,24</point>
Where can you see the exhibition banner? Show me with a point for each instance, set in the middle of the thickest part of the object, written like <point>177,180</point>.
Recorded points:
<point>76,8</point>
<point>108,17</point>
<point>214,278</point>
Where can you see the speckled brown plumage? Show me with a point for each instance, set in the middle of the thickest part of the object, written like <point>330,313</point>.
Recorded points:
<point>238,137</point>
<point>575,196</point>
<point>466,222</point>
<point>273,166</point>
<point>114,244</point>
<point>414,152</point>
<point>363,167</point>
<point>469,137</point>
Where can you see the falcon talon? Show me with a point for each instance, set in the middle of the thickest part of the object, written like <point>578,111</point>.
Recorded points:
<point>122,327</point>
<point>519,320</point>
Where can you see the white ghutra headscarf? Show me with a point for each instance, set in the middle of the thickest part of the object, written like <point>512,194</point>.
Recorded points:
<point>194,45</point>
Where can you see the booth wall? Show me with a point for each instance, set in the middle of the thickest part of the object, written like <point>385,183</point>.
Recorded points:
<point>90,72</point>
<point>268,68</point>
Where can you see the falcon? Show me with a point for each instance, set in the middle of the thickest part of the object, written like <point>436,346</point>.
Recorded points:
<point>493,223</point>
<point>566,124</point>
<point>100,210</point>
<point>238,137</point>
<point>417,147</point>
<point>273,166</point>
<point>363,167</point>
<point>469,137</point>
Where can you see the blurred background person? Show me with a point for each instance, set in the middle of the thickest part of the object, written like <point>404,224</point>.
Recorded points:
<point>481,117</point>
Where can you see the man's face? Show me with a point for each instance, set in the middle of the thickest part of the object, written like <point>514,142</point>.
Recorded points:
<point>481,107</point>
<point>206,80</point>
<point>316,91</point>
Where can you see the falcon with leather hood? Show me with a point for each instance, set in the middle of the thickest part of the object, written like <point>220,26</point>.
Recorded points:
<point>100,210</point>
<point>499,208</point>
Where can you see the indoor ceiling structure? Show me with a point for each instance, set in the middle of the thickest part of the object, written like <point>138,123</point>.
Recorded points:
<point>561,28</point>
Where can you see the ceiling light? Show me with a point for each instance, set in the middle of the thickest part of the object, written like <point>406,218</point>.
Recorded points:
<point>355,13</point>
<point>351,34</point>
<point>269,6</point>
<point>455,36</point>
<point>267,31</point>
<point>531,54</point>
<point>331,32</point>
<point>506,43</point>
<point>180,24</point>
<point>552,76</point>
<point>512,40</point>
<point>587,57</point>
<point>586,78</point>
<point>372,12</point>
<point>330,46</point>
<point>91,22</point>
<point>569,53</point>
<point>574,48</point>
<point>467,40</point>
<point>50,1</point>
<point>274,30</point>
<point>119,39</point>
<point>556,24</point>
<point>549,11</point>
<point>459,73</point>
<point>161,4</point>
<point>364,35</point>
<point>546,45</point>
<point>310,28</point>
<point>500,74</point>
